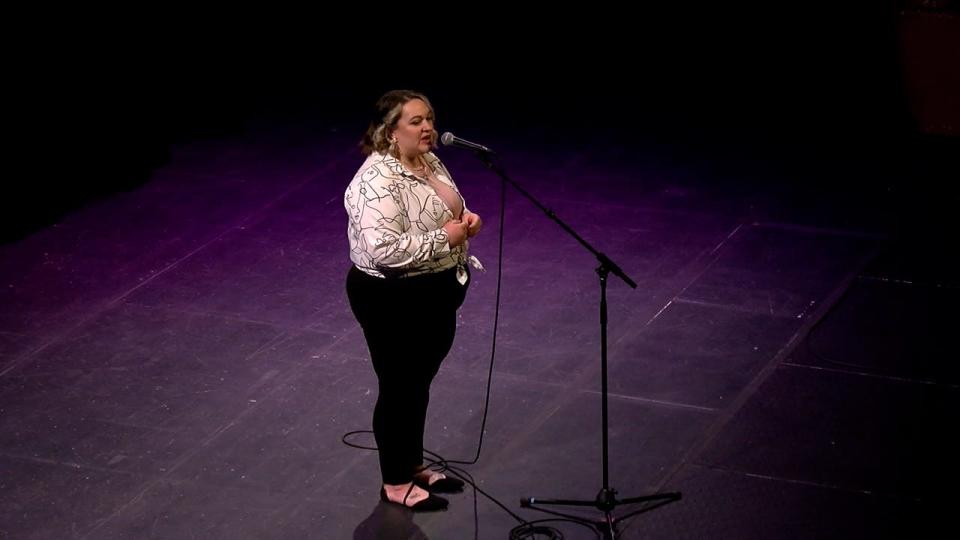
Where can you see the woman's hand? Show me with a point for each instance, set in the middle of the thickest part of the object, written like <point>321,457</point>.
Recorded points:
<point>456,232</point>
<point>473,222</point>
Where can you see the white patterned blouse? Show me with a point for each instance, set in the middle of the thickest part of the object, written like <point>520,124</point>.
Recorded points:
<point>396,220</point>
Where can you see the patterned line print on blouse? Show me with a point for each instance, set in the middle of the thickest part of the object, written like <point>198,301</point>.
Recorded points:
<point>396,220</point>
<point>450,198</point>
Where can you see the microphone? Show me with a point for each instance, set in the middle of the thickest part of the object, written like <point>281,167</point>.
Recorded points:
<point>449,139</point>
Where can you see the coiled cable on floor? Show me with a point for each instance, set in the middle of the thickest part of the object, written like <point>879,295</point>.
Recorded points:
<point>526,530</point>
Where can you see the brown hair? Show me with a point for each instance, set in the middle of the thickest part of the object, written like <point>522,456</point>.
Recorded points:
<point>384,119</point>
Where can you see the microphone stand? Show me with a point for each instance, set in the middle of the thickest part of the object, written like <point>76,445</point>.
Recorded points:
<point>606,500</point>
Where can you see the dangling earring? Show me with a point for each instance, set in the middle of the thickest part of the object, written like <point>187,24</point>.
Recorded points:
<point>394,148</point>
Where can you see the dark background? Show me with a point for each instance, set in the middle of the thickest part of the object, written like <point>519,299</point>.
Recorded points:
<point>793,91</point>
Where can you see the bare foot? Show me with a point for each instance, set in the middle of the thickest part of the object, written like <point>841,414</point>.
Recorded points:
<point>397,494</point>
<point>427,476</point>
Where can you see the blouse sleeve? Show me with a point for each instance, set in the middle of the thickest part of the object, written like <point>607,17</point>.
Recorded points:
<point>381,228</point>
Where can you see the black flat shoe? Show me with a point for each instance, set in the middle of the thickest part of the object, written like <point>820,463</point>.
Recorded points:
<point>431,504</point>
<point>444,484</point>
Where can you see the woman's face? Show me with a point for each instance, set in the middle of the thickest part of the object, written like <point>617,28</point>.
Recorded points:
<point>414,131</point>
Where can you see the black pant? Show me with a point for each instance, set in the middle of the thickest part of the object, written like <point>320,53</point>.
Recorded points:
<point>409,324</point>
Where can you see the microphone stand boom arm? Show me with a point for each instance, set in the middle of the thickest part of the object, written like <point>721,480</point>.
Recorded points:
<point>606,500</point>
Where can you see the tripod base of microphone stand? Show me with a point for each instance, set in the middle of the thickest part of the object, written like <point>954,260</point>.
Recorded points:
<point>606,502</point>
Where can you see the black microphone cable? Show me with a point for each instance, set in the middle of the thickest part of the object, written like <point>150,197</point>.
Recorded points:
<point>526,529</point>
<point>493,347</point>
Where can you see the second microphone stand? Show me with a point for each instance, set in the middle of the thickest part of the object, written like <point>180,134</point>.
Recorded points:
<point>606,500</point>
